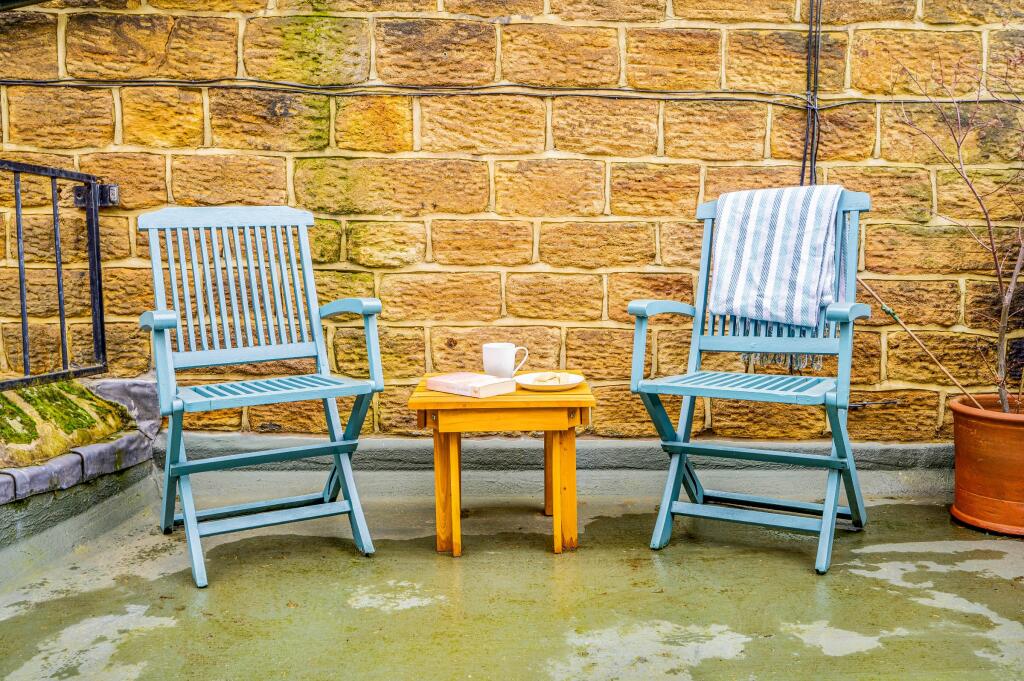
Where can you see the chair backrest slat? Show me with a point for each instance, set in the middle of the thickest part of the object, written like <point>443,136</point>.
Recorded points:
<point>172,277</point>
<point>225,238</point>
<point>268,309</point>
<point>230,270</point>
<point>186,291</point>
<point>243,292</point>
<point>295,289</point>
<point>215,246</point>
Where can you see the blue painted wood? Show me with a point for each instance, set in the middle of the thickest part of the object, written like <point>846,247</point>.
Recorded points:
<point>211,528</point>
<point>724,451</point>
<point>828,524</point>
<point>269,391</point>
<point>252,507</point>
<point>738,386</point>
<point>718,496</point>
<point>192,538</point>
<point>718,333</point>
<point>242,290</point>
<point>748,516</point>
<point>219,463</point>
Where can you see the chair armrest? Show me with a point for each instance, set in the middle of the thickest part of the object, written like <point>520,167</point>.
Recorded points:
<point>649,308</point>
<point>363,306</point>
<point>158,320</point>
<point>846,312</point>
<point>369,308</point>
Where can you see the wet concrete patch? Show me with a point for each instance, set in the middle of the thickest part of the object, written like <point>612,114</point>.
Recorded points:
<point>913,596</point>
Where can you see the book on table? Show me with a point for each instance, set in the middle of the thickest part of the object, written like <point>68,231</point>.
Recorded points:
<point>471,384</point>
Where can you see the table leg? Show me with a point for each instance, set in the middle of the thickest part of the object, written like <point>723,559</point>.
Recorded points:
<point>442,492</point>
<point>547,472</point>
<point>570,537</point>
<point>556,486</point>
<point>455,474</point>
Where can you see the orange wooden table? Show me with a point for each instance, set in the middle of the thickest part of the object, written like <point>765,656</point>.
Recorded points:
<point>557,414</point>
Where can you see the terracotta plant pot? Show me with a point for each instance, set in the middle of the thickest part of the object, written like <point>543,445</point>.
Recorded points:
<point>989,466</point>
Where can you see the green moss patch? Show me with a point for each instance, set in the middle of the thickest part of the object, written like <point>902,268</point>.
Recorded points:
<point>52,402</point>
<point>16,426</point>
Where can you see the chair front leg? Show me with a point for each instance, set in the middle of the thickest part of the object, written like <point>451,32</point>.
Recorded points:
<point>680,471</point>
<point>341,479</point>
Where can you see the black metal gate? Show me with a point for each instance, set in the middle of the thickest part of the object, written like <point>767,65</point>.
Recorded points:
<point>88,195</point>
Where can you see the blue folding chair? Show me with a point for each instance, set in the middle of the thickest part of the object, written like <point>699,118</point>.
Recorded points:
<point>242,291</point>
<point>717,333</point>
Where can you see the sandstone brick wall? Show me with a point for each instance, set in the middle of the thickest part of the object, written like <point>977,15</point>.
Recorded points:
<point>532,211</point>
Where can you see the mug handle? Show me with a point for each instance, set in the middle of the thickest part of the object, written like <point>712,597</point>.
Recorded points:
<point>526,356</point>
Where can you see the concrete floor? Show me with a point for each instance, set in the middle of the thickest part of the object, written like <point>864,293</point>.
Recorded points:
<point>914,596</point>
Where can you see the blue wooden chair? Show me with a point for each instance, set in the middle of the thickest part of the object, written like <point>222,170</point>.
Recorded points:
<point>242,291</point>
<point>834,336</point>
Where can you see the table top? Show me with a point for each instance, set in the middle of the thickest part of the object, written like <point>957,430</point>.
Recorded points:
<point>576,397</point>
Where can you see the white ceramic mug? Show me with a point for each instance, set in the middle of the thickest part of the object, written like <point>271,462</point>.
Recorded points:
<point>500,359</point>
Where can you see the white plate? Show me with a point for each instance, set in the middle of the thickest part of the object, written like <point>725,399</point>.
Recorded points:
<point>527,381</point>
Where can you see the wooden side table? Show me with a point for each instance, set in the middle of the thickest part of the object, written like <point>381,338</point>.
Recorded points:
<point>556,413</point>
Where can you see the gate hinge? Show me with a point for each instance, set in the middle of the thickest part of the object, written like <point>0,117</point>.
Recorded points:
<point>109,195</point>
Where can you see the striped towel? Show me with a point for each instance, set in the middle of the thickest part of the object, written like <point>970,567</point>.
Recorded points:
<point>774,254</point>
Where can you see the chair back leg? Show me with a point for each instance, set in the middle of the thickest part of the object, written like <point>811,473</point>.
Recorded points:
<point>175,450</point>
<point>842,449</point>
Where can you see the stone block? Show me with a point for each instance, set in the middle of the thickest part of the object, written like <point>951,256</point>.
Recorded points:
<point>881,59</point>
<point>613,127</point>
<point>551,55</point>
<point>29,48</point>
<point>60,117</point>
<point>386,244</point>
<point>554,296</point>
<point>917,249</point>
<point>374,123</point>
<point>435,51</point>
<point>845,133</point>
<point>968,357</point>
<point>597,244</point>
<point>773,11</point>
<point>673,58</point>
<point>776,60</point>
<point>317,50</point>
<point>549,187</point>
<point>481,242</point>
<point>219,179</point>
<point>402,352</point>
<point>448,296</point>
<point>483,124</point>
<point>916,302</point>
<point>264,120</point>
<point>655,189</point>
<point>162,116</point>
<point>391,186</point>
<point>914,416</point>
<point>738,130</point>
<point>609,10</point>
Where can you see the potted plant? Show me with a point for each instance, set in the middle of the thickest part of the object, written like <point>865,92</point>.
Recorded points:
<point>988,429</point>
